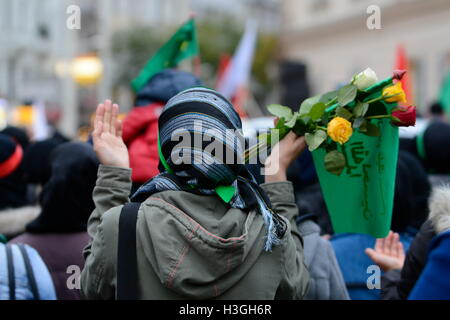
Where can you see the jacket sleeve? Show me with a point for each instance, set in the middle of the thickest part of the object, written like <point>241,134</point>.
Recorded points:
<point>396,285</point>
<point>110,194</point>
<point>135,122</point>
<point>296,276</point>
<point>389,285</point>
<point>327,282</point>
<point>433,283</point>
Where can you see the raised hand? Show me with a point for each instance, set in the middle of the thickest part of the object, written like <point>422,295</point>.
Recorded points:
<point>107,136</point>
<point>388,253</point>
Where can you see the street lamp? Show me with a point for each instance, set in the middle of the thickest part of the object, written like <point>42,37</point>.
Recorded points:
<point>87,69</point>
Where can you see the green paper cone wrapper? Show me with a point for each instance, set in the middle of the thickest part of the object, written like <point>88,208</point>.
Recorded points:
<point>360,200</point>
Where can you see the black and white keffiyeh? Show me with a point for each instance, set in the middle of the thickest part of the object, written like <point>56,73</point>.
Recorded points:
<point>201,148</point>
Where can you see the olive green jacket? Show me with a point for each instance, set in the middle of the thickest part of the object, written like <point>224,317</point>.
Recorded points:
<point>193,246</point>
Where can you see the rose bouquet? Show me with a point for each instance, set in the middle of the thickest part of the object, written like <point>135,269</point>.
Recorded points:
<point>353,135</point>
<point>330,119</point>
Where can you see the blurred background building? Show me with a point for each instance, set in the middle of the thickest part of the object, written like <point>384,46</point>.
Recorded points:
<point>304,47</point>
<point>331,38</point>
<point>40,55</point>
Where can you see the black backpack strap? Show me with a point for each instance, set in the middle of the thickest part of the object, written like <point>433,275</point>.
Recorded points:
<point>30,273</point>
<point>11,277</point>
<point>127,280</point>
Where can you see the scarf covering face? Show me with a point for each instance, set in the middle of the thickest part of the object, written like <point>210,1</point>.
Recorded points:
<point>191,124</point>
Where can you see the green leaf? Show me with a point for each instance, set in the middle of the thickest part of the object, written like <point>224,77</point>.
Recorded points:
<point>327,97</point>
<point>347,94</point>
<point>371,130</point>
<point>360,109</point>
<point>300,127</point>
<point>283,130</point>
<point>314,140</point>
<point>307,120</point>
<point>280,111</point>
<point>325,119</point>
<point>307,104</point>
<point>291,122</point>
<point>335,162</point>
<point>363,126</point>
<point>317,110</point>
<point>343,113</point>
<point>280,123</point>
<point>358,122</point>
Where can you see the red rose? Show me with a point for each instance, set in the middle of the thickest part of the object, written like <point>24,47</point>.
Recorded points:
<point>404,116</point>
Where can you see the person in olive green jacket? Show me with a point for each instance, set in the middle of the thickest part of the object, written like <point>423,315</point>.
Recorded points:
<point>193,241</point>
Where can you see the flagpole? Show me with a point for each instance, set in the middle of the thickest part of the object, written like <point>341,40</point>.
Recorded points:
<point>197,66</point>
<point>197,60</point>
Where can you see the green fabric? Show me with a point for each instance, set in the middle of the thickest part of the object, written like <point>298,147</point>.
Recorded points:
<point>3,239</point>
<point>225,192</point>
<point>193,246</point>
<point>444,97</point>
<point>163,160</point>
<point>360,200</point>
<point>182,45</point>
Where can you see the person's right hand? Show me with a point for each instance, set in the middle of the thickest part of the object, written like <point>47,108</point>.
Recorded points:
<point>388,253</point>
<point>107,136</point>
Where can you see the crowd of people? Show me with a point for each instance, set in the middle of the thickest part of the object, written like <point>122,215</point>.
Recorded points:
<point>117,217</point>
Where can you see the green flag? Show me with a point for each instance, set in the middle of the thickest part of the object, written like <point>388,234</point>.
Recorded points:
<point>444,97</point>
<point>360,200</point>
<point>182,45</point>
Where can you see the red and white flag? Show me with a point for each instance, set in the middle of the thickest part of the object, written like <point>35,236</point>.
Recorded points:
<point>233,83</point>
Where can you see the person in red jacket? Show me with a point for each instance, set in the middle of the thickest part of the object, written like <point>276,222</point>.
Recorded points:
<point>140,127</point>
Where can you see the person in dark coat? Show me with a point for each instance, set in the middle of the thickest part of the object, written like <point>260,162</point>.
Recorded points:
<point>437,111</point>
<point>14,210</point>
<point>412,192</point>
<point>18,134</point>
<point>59,233</point>
<point>434,282</point>
<point>326,280</point>
<point>427,147</point>
<point>397,284</point>
<point>140,127</point>
<point>36,159</point>
<point>12,191</point>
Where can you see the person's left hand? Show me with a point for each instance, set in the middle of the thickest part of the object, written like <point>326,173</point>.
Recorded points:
<point>388,253</point>
<point>107,136</point>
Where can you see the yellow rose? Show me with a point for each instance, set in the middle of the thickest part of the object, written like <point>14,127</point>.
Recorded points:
<point>340,130</point>
<point>396,91</point>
